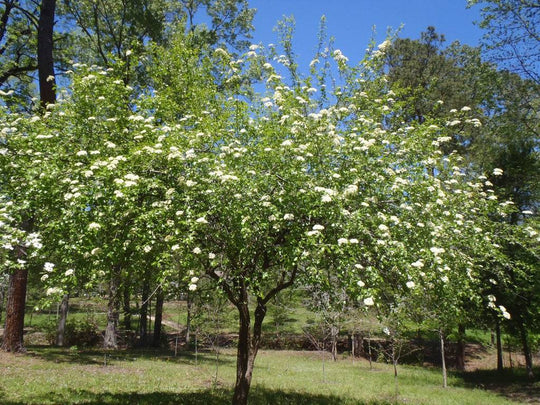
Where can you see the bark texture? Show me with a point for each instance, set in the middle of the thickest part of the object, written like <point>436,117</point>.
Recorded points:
<point>526,350</point>
<point>111,331</point>
<point>143,314</point>
<point>61,329</point>
<point>499,346</point>
<point>45,47</point>
<point>13,328</point>
<point>156,339</point>
<point>443,360</point>
<point>248,346</point>
<point>460,350</point>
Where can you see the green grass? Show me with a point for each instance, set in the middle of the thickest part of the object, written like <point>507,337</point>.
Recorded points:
<point>55,376</point>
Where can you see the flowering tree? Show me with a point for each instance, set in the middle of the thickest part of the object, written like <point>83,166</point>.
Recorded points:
<point>255,188</point>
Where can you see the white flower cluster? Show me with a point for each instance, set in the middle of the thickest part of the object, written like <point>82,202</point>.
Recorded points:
<point>193,284</point>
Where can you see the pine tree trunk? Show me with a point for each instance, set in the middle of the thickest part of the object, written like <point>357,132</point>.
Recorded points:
<point>111,331</point>
<point>45,52</point>
<point>443,361</point>
<point>61,329</point>
<point>2,299</point>
<point>158,318</point>
<point>499,346</point>
<point>13,328</point>
<point>460,353</point>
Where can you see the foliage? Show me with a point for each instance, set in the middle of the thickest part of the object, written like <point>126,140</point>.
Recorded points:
<point>512,35</point>
<point>79,332</point>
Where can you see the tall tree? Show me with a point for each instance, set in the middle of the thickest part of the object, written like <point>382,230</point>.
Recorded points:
<point>503,146</point>
<point>512,37</point>
<point>18,28</point>
<point>45,59</point>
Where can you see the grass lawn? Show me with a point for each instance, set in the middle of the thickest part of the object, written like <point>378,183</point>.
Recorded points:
<point>62,376</point>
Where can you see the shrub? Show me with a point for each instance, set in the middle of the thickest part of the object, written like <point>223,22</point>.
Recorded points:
<point>80,332</point>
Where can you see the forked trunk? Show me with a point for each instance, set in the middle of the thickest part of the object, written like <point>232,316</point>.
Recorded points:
<point>61,329</point>
<point>248,346</point>
<point>13,329</point>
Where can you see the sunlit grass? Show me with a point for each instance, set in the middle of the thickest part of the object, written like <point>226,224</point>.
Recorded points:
<point>54,376</point>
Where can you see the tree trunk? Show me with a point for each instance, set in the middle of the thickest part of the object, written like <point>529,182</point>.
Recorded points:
<point>158,318</point>
<point>188,322</point>
<point>13,329</point>
<point>143,314</point>
<point>460,350</point>
<point>334,333</point>
<point>526,350</point>
<point>2,299</point>
<point>443,361</point>
<point>248,346</point>
<point>499,346</point>
<point>111,338</point>
<point>126,306</point>
<point>45,52</point>
<point>60,331</point>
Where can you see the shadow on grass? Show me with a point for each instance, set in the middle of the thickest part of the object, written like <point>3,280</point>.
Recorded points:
<point>109,357</point>
<point>511,383</point>
<point>258,396</point>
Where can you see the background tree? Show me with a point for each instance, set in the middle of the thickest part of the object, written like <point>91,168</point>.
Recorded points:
<point>512,37</point>
<point>504,142</point>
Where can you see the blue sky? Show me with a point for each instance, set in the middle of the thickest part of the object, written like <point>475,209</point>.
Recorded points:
<point>351,22</point>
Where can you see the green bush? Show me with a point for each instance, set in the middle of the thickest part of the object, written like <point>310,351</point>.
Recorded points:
<point>80,332</point>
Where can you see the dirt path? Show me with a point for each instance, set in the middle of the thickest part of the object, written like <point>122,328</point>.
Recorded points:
<point>171,324</point>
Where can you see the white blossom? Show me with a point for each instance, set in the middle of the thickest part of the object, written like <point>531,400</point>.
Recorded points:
<point>94,225</point>
<point>53,290</point>
<point>287,142</point>
<point>418,264</point>
<point>436,251</point>
<point>48,267</point>
<point>369,301</point>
